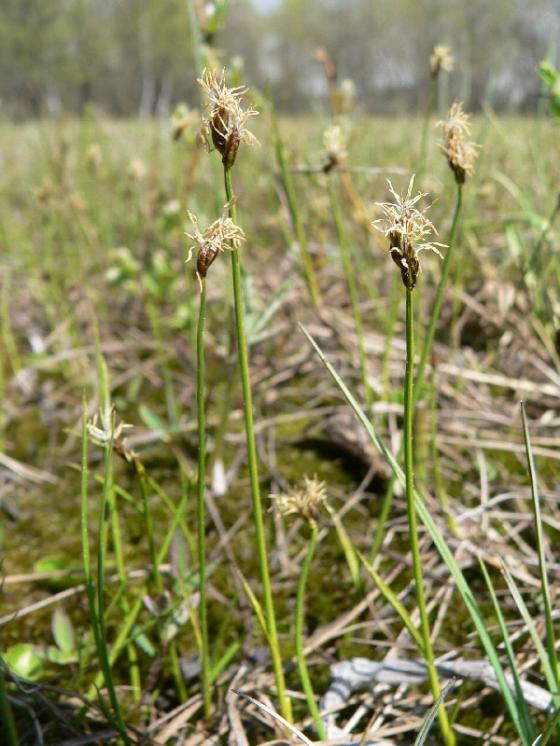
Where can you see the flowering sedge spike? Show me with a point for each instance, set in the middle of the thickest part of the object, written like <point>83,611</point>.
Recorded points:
<point>103,430</point>
<point>223,127</point>
<point>305,501</point>
<point>407,228</point>
<point>441,60</point>
<point>335,147</point>
<point>222,235</point>
<point>460,152</point>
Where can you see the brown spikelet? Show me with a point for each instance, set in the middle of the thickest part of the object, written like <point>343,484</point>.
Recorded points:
<point>407,228</point>
<point>223,127</point>
<point>461,153</point>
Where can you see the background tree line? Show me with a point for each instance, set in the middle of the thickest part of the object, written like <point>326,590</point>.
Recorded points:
<point>130,57</point>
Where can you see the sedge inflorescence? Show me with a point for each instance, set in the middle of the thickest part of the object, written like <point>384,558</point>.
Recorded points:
<point>104,431</point>
<point>460,152</point>
<point>407,228</point>
<point>441,59</point>
<point>305,500</point>
<point>335,144</point>
<point>221,235</point>
<point>223,126</point>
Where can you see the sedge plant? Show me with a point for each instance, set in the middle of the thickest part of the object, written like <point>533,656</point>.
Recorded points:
<point>305,501</point>
<point>441,61</point>
<point>408,230</point>
<point>297,222</point>
<point>222,234</point>
<point>335,149</point>
<point>224,129</point>
<point>480,622</point>
<point>461,154</point>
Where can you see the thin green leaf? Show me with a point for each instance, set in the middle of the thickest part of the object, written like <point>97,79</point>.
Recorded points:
<point>347,547</point>
<point>545,591</point>
<point>392,599</point>
<point>255,603</point>
<point>431,716</point>
<point>525,720</point>
<point>550,730</point>
<point>433,530</point>
<point>528,619</point>
<point>222,663</point>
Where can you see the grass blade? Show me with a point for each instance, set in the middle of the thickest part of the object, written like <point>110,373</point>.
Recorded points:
<point>431,716</point>
<point>545,591</point>
<point>537,642</point>
<point>392,599</point>
<point>525,721</point>
<point>550,730</point>
<point>441,545</point>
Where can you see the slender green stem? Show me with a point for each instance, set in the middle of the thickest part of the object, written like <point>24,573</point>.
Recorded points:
<point>531,264</point>
<point>8,339</point>
<point>173,413</point>
<point>426,350</point>
<point>128,622</point>
<point>6,714</point>
<point>149,525</point>
<point>438,300</point>
<point>411,513</point>
<point>290,192</point>
<point>430,103</point>
<point>105,518</point>
<point>436,465</point>
<point>350,276</point>
<point>95,603</point>
<point>200,504</point>
<point>390,326</point>
<point>156,576</point>
<point>284,701</point>
<point>389,335</point>
<point>132,653</point>
<point>196,38</point>
<point>545,589</point>
<point>300,654</point>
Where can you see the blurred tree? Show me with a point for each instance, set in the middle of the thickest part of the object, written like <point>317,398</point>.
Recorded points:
<point>31,52</point>
<point>134,56</point>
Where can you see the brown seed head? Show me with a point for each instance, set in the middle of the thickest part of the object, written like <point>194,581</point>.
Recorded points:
<point>223,127</point>
<point>222,235</point>
<point>460,152</point>
<point>407,228</point>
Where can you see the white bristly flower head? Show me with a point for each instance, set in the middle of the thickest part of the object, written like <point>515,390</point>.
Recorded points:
<point>460,152</point>
<point>306,500</point>
<point>104,431</point>
<point>335,145</point>
<point>223,126</point>
<point>221,235</point>
<point>441,59</point>
<point>407,228</point>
